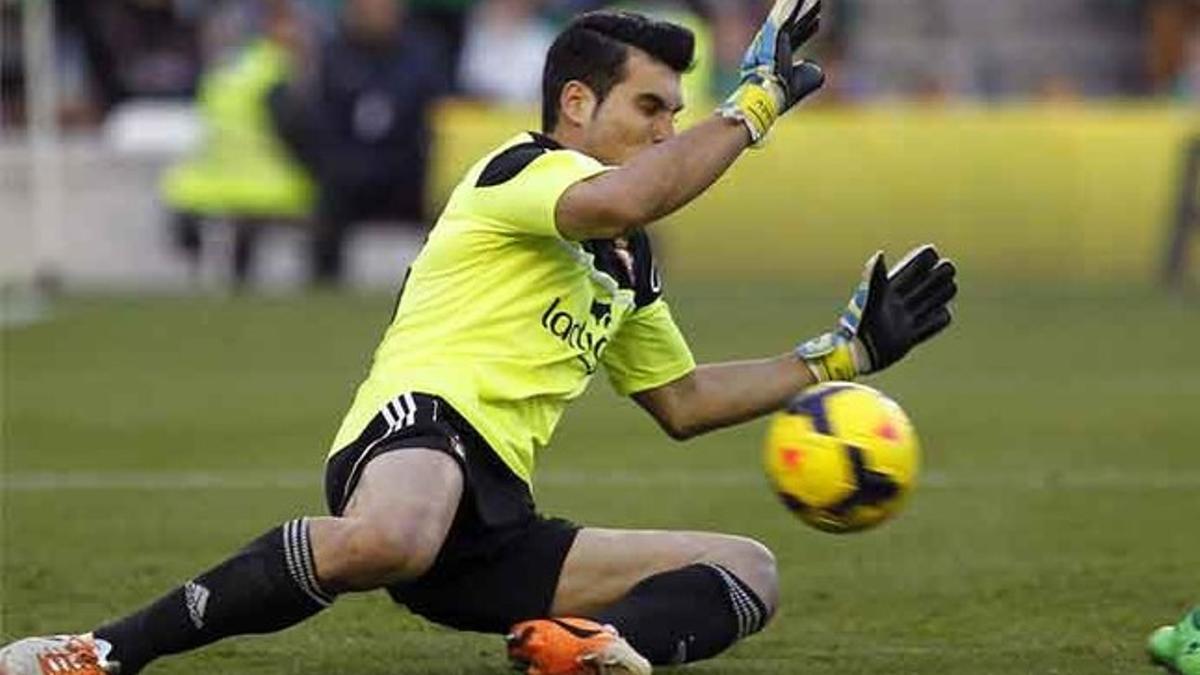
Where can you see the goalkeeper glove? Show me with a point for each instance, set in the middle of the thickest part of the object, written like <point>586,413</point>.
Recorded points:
<point>890,313</point>
<point>774,77</point>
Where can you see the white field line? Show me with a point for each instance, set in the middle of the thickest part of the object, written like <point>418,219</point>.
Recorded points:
<point>52,481</point>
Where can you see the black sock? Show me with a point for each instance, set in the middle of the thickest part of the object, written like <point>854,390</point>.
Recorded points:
<point>270,585</point>
<point>688,614</point>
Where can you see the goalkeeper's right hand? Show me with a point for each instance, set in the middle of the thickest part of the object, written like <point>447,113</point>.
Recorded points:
<point>890,313</point>
<point>774,76</point>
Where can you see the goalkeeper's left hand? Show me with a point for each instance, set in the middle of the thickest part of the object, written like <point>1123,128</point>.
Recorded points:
<point>890,313</point>
<point>774,76</point>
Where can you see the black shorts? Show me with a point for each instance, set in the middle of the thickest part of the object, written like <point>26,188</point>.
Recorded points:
<point>501,560</point>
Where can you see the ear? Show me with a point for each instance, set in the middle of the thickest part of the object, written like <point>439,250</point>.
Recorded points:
<point>577,103</point>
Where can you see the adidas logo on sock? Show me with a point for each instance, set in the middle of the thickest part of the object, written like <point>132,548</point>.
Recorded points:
<point>197,601</point>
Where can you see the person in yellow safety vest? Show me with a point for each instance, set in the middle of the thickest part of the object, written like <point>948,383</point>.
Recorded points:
<point>241,172</point>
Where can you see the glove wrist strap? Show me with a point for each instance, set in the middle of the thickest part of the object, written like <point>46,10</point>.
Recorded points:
<point>833,357</point>
<point>754,105</point>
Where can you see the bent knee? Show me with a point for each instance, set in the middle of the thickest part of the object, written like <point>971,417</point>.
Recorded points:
<point>369,556</point>
<point>754,564</point>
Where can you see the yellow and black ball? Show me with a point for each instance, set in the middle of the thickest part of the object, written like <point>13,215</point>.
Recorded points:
<point>843,457</point>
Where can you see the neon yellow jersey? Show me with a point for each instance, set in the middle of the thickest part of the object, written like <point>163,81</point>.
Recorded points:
<point>508,321</point>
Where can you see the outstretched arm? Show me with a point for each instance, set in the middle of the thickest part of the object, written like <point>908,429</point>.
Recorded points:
<point>890,313</point>
<point>724,394</point>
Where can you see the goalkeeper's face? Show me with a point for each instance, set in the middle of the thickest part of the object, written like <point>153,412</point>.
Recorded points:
<point>638,112</point>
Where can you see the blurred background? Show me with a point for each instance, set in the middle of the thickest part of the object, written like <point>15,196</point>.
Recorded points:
<point>152,145</point>
<point>183,182</point>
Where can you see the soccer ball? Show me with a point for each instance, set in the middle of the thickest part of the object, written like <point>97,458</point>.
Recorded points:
<point>842,457</point>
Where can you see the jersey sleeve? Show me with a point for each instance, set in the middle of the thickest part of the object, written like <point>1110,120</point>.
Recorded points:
<point>648,351</point>
<point>519,191</point>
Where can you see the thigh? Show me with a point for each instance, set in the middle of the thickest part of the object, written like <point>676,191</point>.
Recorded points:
<point>409,483</point>
<point>395,522</point>
<point>603,564</point>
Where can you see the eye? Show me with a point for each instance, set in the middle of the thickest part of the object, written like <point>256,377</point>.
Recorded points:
<point>649,107</point>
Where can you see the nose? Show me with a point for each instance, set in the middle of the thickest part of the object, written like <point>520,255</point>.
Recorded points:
<point>664,129</point>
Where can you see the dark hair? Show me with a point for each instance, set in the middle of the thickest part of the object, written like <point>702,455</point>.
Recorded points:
<point>595,47</point>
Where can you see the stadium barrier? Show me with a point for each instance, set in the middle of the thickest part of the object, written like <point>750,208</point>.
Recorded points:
<point>1057,193</point>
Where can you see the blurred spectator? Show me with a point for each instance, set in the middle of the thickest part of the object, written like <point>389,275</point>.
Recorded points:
<point>514,33</point>
<point>111,50</point>
<point>989,49</point>
<point>447,20</point>
<point>229,25</point>
<point>1173,27</point>
<point>504,51</point>
<point>142,48</point>
<point>359,122</point>
<point>12,66</point>
<point>1189,81</point>
<point>242,175</point>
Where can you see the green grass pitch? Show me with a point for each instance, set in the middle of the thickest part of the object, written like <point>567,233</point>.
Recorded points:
<point>145,439</point>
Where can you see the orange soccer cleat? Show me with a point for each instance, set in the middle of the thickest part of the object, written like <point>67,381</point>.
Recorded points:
<point>571,646</point>
<point>56,655</point>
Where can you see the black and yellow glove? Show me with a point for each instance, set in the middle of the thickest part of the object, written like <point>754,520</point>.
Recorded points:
<point>890,313</point>
<point>774,76</point>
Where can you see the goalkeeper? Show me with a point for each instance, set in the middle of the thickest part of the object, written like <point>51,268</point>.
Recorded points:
<point>537,274</point>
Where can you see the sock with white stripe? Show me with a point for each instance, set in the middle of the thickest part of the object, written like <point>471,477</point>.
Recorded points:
<point>268,586</point>
<point>688,614</point>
